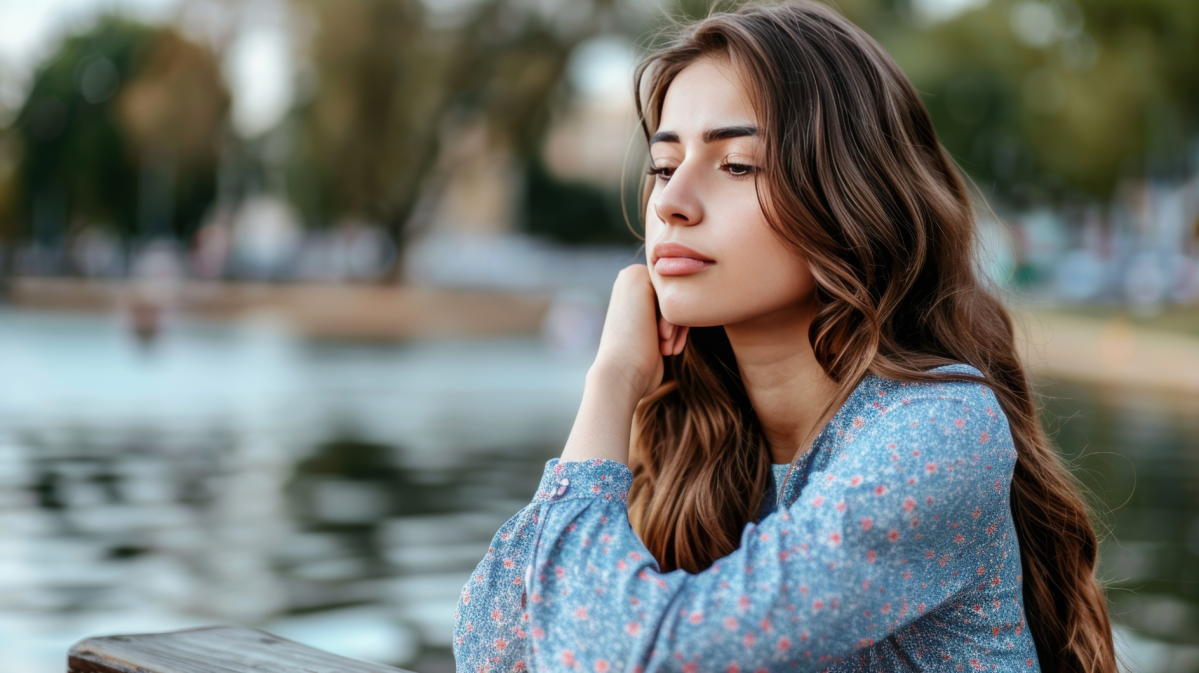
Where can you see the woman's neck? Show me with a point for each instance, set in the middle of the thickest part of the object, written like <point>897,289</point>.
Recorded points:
<point>786,385</point>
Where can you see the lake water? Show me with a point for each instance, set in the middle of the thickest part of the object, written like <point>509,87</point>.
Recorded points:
<point>340,494</point>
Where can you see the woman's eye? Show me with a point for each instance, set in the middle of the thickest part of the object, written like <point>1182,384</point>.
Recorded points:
<point>663,172</point>
<point>739,170</point>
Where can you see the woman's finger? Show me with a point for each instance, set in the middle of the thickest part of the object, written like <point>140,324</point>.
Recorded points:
<point>680,341</point>
<point>665,329</point>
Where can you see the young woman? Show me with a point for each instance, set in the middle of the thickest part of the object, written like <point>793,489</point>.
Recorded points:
<point>835,460</point>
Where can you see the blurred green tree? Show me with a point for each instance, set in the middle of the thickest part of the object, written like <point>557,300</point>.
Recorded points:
<point>393,79</point>
<point>1044,100</point>
<point>121,129</point>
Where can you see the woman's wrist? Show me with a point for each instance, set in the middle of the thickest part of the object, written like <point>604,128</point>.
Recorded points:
<point>613,383</point>
<point>605,418</point>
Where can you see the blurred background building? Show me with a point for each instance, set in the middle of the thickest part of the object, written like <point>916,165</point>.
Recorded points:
<point>296,296</point>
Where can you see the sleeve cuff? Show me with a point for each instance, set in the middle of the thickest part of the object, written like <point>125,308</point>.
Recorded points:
<point>574,480</point>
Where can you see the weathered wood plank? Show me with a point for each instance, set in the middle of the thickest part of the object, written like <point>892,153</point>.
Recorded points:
<point>220,649</point>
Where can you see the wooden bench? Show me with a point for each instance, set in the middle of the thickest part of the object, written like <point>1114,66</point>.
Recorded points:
<point>218,649</point>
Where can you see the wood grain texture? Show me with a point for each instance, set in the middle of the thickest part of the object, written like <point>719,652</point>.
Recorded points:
<point>219,649</point>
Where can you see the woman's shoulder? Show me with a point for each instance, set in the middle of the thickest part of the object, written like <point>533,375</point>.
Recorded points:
<point>950,385</point>
<point>963,400</point>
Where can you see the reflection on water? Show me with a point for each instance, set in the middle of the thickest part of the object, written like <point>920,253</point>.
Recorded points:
<point>338,495</point>
<point>341,494</point>
<point>1138,453</point>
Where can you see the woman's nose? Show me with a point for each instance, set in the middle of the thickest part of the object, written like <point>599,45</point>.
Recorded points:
<point>678,202</point>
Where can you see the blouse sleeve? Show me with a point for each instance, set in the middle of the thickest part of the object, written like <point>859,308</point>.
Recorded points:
<point>900,523</point>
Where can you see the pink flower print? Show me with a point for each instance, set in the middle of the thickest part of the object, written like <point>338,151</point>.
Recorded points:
<point>508,564</point>
<point>538,633</point>
<point>818,501</point>
<point>601,666</point>
<point>909,504</point>
<point>568,658</point>
<point>743,602</point>
<point>982,438</point>
<point>500,643</point>
<point>559,572</point>
<point>696,617</point>
<point>867,523</point>
<point>621,565</point>
<point>958,423</point>
<point>959,538</point>
<point>930,468</point>
<point>632,628</point>
<point>834,538</point>
<point>748,640</point>
<point>784,644</point>
<point>581,613</point>
<point>870,556</point>
<point>730,623</point>
<point>690,667</point>
<point>976,513</point>
<point>858,422</point>
<point>733,668</point>
<point>893,535</point>
<point>497,615</point>
<point>856,480</point>
<point>880,490</point>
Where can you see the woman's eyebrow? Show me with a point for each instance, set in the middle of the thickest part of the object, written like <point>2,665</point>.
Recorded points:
<point>711,135</point>
<point>727,132</point>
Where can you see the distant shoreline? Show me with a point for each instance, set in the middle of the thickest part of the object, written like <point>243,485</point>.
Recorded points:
<point>1088,345</point>
<point>355,312</point>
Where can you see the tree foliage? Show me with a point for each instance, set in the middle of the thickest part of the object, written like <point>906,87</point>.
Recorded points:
<point>118,111</point>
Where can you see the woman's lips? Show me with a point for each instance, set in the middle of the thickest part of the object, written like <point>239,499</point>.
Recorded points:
<point>679,266</point>
<point>673,259</point>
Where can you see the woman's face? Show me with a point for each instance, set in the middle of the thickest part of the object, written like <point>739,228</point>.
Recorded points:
<point>713,258</point>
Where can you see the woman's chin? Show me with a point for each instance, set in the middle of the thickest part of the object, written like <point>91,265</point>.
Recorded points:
<point>690,316</point>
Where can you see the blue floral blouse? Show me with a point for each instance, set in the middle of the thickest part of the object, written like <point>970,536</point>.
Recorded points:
<point>890,547</point>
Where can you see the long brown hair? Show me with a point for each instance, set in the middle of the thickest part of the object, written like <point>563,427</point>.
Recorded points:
<point>855,181</point>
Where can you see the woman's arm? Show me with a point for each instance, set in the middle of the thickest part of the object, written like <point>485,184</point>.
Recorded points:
<point>492,627</point>
<point>627,367</point>
<point>906,523</point>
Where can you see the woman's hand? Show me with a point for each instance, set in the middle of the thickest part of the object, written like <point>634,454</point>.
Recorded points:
<point>627,368</point>
<point>635,336</point>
